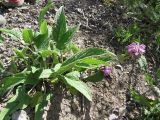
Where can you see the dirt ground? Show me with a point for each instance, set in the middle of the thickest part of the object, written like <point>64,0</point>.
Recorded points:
<point>98,21</point>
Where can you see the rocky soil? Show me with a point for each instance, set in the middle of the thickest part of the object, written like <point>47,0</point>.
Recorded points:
<point>111,98</point>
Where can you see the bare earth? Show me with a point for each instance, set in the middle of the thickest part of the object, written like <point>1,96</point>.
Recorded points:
<point>98,22</point>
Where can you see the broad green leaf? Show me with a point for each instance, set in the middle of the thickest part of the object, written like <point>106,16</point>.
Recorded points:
<point>39,108</point>
<point>41,41</point>
<point>63,69</point>
<point>90,52</point>
<point>57,67</point>
<point>11,82</point>
<point>84,66</point>
<point>36,98</point>
<point>33,77</point>
<point>78,57</point>
<point>108,56</point>
<point>66,37</point>
<point>27,35</point>
<point>20,101</point>
<point>74,75</point>
<point>15,33</point>
<point>46,73</point>
<point>92,61</point>
<point>59,28</point>
<point>44,28</point>
<point>44,11</point>
<point>34,69</point>
<point>96,77</point>
<point>74,82</point>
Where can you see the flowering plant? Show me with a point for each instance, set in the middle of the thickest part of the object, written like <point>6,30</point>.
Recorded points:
<point>49,57</point>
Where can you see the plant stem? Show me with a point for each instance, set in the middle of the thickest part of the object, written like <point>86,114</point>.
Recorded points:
<point>61,57</point>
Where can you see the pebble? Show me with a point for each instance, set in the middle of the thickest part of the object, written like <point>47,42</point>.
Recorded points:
<point>113,117</point>
<point>2,21</point>
<point>20,115</point>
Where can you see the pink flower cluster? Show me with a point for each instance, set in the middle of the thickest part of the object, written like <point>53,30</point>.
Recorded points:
<point>136,49</point>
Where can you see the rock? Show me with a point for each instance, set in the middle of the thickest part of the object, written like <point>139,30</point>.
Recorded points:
<point>113,117</point>
<point>20,115</point>
<point>2,21</point>
<point>13,3</point>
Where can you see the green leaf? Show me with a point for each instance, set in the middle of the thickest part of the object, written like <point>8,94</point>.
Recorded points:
<point>93,61</point>
<point>19,53</point>
<point>149,79</point>
<point>11,82</point>
<point>80,56</point>
<point>96,77</point>
<point>142,62</point>
<point>72,79</point>
<point>44,28</point>
<point>141,99</point>
<point>66,37</point>
<point>33,77</point>
<point>39,108</point>
<point>57,67</point>
<point>74,48</point>
<point>59,29</point>
<point>74,75</point>
<point>20,101</point>
<point>46,73</point>
<point>15,33</point>
<point>84,66</point>
<point>90,52</point>
<point>36,98</point>
<point>46,53</point>
<point>27,35</point>
<point>44,11</point>
<point>41,41</point>
<point>34,69</point>
<point>90,63</point>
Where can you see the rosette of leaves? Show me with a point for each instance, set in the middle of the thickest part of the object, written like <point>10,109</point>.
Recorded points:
<point>49,57</point>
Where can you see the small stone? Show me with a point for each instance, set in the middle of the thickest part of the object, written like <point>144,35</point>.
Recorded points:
<point>20,115</point>
<point>113,117</point>
<point>67,109</point>
<point>2,21</point>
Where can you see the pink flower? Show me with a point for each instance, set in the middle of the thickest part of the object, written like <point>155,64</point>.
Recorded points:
<point>106,70</point>
<point>136,49</point>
